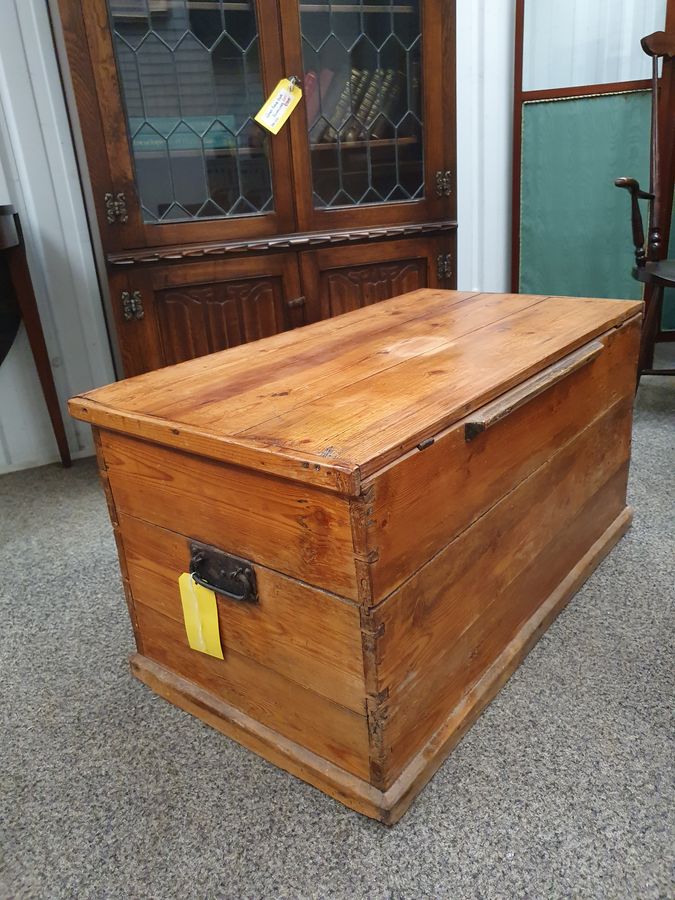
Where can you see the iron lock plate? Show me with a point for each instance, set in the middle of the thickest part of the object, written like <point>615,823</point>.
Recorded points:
<point>223,573</point>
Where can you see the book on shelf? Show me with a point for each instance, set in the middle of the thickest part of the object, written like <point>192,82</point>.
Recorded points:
<point>387,104</point>
<point>342,106</point>
<point>377,89</point>
<point>330,100</point>
<point>310,88</point>
<point>370,97</point>
<point>360,86</point>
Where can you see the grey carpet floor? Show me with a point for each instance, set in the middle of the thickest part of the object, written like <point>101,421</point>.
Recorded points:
<point>564,788</point>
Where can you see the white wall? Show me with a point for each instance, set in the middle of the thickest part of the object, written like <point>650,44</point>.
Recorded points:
<point>38,174</point>
<point>485,37</point>
<point>571,43</point>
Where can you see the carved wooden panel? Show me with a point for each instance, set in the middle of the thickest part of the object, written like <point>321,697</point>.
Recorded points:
<point>197,319</point>
<point>352,287</point>
<point>336,280</point>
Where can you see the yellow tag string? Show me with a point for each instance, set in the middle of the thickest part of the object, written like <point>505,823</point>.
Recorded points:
<point>200,614</point>
<point>279,105</point>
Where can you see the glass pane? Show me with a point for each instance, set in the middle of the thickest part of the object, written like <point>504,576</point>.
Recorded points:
<point>363,94</point>
<point>191,84</point>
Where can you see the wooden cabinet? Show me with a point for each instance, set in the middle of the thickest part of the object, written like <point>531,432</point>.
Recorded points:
<point>339,282</point>
<point>216,232</point>
<point>168,314</point>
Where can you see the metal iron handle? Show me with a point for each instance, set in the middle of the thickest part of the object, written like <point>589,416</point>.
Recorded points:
<point>512,400</point>
<point>223,573</point>
<point>244,595</point>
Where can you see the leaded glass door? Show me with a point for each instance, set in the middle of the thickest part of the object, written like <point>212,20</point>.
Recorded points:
<point>182,83</point>
<point>370,137</point>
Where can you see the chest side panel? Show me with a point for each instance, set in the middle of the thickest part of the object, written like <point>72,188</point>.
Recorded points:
<point>417,505</point>
<point>303,633</point>
<point>291,528</point>
<point>443,629</point>
<point>292,661</point>
<point>328,729</point>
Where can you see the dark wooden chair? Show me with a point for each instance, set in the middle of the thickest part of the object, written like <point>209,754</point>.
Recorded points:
<point>14,266</point>
<point>655,272</point>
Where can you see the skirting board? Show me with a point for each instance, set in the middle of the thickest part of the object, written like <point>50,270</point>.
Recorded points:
<point>386,806</point>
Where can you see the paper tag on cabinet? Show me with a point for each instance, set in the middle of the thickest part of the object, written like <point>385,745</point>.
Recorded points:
<point>200,614</point>
<point>279,105</point>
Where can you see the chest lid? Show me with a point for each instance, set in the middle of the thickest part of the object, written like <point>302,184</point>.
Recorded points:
<point>333,402</point>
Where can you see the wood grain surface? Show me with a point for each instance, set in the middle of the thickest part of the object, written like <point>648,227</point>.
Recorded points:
<point>445,626</point>
<point>305,634</point>
<point>357,792</point>
<point>290,755</point>
<point>407,522</point>
<point>427,760</point>
<point>328,729</point>
<point>271,521</point>
<point>357,392</point>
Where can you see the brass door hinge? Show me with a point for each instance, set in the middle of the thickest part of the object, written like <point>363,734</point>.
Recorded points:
<point>132,306</point>
<point>444,266</point>
<point>443,183</point>
<point>116,208</point>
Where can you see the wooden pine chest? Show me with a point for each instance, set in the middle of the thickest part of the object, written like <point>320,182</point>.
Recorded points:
<point>397,503</point>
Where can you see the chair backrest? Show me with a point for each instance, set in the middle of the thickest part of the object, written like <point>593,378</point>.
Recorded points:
<point>661,46</point>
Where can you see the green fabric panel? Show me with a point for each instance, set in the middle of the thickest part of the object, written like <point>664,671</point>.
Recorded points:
<point>575,236</point>
<point>668,318</point>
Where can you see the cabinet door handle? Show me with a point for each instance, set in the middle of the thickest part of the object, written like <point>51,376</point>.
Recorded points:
<point>494,412</point>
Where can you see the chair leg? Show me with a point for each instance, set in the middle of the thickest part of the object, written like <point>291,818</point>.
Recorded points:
<point>650,328</point>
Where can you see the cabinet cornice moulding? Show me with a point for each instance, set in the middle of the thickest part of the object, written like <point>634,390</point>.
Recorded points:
<point>277,242</point>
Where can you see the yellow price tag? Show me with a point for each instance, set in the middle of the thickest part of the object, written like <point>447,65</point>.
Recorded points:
<point>279,105</point>
<point>200,614</point>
